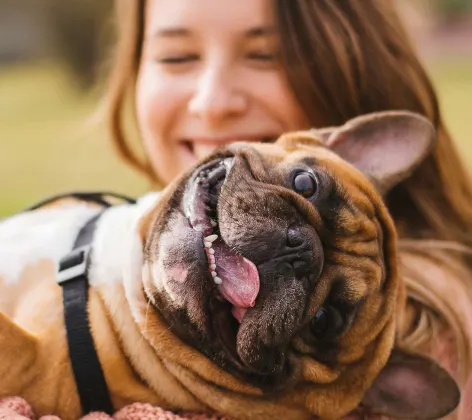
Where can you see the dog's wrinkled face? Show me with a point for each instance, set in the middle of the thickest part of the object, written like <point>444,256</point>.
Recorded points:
<point>277,261</point>
<point>296,258</point>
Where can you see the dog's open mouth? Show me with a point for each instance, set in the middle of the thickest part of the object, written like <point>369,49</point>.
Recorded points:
<point>236,277</point>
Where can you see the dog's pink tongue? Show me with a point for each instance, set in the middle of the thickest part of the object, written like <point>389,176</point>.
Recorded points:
<point>240,279</point>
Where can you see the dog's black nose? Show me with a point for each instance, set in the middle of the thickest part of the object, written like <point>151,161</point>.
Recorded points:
<point>302,250</point>
<point>295,237</point>
<point>296,241</point>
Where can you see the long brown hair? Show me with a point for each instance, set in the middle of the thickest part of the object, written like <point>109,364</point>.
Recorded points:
<point>344,58</point>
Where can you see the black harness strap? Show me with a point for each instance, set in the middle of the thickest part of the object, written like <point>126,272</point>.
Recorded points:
<point>73,277</point>
<point>98,197</point>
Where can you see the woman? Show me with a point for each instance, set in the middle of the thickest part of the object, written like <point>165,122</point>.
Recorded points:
<point>201,73</point>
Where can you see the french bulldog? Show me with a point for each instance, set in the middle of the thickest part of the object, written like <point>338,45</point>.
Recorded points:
<point>261,284</point>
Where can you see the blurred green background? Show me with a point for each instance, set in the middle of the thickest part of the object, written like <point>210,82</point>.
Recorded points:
<point>51,52</point>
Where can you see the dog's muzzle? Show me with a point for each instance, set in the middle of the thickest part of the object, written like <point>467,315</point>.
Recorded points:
<point>237,277</point>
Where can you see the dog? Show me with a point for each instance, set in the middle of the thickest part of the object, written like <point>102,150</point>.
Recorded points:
<point>261,284</point>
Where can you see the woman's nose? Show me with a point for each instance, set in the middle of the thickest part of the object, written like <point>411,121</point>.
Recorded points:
<point>216,97</point>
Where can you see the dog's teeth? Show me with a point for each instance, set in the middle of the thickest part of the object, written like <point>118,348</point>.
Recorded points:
<point>212,259</point>
<point>211,251</point>
<point>217,280</point>
<point>213,273</point>
<point>207,244</point>
<point>213,267</point>
<point>213,223</point>
<point>211,238</point>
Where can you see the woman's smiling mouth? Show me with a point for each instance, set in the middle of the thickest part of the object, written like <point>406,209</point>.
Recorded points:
<point>202,146</point>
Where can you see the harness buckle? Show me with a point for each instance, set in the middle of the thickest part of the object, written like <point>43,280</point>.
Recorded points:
<point>73,265</point>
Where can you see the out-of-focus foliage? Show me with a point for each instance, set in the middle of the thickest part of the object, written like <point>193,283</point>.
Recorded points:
<point>83,32</point>
<point>77,32</point>
<point>452,8</point>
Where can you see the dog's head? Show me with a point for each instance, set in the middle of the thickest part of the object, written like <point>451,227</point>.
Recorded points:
<point>278,262</point>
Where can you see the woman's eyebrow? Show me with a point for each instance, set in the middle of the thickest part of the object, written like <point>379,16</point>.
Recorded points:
<point>170,32</point>
<point>178,32</point>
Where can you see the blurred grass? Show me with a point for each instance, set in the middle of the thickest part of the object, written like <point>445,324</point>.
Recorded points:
<point>45,146</point>
<point>44,149</point>
<point>453,82</point>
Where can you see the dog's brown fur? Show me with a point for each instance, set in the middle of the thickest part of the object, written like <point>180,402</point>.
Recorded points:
<point>146,357</point>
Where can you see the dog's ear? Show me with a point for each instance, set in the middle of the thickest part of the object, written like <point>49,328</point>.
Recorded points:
<point>386,146</point>
<point>412,387</point>
<point>324,133</point>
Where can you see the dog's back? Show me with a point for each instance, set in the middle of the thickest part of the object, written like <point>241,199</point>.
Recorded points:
<point>31,244</point>
<point>33,345</point>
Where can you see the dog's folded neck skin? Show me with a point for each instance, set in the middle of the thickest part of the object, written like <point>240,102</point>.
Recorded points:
<point>277,263</point>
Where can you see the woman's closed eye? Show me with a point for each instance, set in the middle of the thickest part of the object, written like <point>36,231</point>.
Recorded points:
<point>263,58</point>
<point>178,59</point>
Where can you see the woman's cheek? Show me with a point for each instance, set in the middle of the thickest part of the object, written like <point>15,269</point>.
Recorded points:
<point>160,107</point>
<point>150,106</point>
<point>272,91</point>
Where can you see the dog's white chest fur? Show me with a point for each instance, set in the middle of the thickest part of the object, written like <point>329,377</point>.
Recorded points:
<point>49,233</point>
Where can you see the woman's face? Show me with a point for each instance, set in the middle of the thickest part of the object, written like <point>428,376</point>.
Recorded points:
<point>209,75</point>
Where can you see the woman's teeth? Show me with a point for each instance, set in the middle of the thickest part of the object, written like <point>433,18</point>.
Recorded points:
<point>208,243</point>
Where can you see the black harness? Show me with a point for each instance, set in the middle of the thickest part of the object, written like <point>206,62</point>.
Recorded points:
<point>73,277</point>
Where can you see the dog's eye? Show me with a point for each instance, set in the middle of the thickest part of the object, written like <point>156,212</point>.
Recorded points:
<point>326,323</point>
<point>305,184</point>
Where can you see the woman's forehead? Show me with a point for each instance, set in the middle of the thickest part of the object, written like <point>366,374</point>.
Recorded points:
<point>172,18</point>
